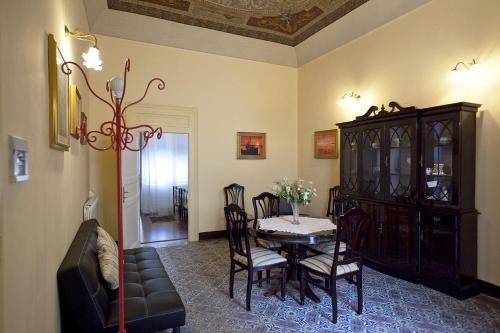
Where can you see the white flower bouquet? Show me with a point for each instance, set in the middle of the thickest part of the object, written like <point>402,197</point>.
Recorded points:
<point>295,193</point>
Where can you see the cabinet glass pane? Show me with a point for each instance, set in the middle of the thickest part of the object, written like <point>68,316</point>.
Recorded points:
<point>350,162</point>
<point>370,159</point>
<point>400,154</point>
<point>438,155</point>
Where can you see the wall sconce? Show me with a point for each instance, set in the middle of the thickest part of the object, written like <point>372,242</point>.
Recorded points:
<point>92,58</point>
<point>458,71</point>
<point>349,99</point>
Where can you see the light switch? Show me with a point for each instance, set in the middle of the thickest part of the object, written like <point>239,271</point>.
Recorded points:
<point>19,148</point>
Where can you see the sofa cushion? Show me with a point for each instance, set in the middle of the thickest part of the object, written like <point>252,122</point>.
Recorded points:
<point>150,295</point>
<point>107,252</point>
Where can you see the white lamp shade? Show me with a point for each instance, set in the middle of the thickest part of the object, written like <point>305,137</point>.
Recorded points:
<point>116,85</point>
<point>455,75</point>
<point>92,59</point>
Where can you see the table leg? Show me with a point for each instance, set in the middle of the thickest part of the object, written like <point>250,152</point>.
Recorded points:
<point>295,253</point>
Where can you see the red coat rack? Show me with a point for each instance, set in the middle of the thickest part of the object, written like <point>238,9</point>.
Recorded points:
<point>120,138</point>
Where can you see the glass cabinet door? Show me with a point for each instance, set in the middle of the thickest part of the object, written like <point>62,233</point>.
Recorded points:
<point>438,174</point>
<point>349,161</point>
<point>371,158</point>
<point>401,159</point>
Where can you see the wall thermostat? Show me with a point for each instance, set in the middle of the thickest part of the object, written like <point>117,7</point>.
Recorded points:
<point>19,148</point>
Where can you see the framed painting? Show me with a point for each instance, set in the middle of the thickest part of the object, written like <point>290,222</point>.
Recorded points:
<point>59,130</point>
<point>75,110</point>
<point>251,146</point>
<point>325,144</point>
<point>83,128</point>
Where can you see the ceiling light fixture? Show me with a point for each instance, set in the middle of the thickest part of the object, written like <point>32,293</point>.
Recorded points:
<point>349,99</point>
<point>92,58</point>
<point>458,71</point>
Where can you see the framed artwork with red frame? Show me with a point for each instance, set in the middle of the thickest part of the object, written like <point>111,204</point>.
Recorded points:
<point>251,146</point>
<point>326,144</point>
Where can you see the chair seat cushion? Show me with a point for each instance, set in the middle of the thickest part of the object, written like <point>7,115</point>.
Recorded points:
<point>323,264</point>
<point>329,247</point>
<point>261,257</point>
<point>268,244</point>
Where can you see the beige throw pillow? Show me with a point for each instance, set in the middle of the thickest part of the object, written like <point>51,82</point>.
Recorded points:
<point>107,252</point>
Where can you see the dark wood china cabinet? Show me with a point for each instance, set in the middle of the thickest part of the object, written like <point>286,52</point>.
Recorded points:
<point>413,171</point>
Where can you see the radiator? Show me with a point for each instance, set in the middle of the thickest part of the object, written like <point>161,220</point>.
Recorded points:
<point>91,207</point>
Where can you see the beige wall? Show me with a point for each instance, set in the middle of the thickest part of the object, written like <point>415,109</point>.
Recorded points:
<point>230,95</point>
<point>408,60</point>
<point>39,218</point>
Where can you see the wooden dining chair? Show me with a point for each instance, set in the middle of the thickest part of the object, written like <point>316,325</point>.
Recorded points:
<point>175,199</point>
<point>256,259</point>
<point>351,227</point>
<point>266,205</point>
<point>338,206</point>
<point>183,203</point>
<point>235,194</point>
<point>333,194</point>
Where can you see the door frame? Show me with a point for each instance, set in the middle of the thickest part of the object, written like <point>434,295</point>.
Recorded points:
<point>175,119</point>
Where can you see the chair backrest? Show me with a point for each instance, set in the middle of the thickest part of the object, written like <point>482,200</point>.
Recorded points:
<point>333,194</point>
<point>237,225</point>
<point>235,194</point>
<point>183,193</point>
<point>351,229</point>
<point>175,195</point>
<point>266,205</point>
<point>339,204</point>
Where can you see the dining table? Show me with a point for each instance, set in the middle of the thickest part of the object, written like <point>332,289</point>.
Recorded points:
<point>294,239</point>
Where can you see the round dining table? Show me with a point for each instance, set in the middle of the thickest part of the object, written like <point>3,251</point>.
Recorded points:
<point>295,247</point>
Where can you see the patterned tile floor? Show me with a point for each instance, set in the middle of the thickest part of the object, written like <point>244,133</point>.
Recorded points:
<point>200,272</point>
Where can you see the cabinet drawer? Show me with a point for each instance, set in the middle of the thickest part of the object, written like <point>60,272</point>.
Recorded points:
<point>449,221</point>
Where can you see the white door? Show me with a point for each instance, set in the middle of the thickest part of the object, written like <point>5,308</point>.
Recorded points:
<point>130,183</point>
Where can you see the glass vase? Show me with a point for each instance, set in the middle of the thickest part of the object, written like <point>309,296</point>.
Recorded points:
<point>295,211</point>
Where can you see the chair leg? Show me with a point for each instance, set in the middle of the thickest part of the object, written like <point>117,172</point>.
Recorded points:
<point>302,274</point>
<point>249,288</point>
<point>231,280</point>
<point>333,293</point>
<point>283,283</point>
<point>176,330</point>
<point>259,277</point>
<point>268,276</point>
<point>359,283</point>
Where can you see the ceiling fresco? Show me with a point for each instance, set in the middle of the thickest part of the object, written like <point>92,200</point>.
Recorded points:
<point>287,22</point>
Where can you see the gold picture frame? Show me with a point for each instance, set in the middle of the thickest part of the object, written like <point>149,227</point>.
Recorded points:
<point>251,146</point>
<point>326,144</point>
<point>75,108</point>
<point>59,131</point>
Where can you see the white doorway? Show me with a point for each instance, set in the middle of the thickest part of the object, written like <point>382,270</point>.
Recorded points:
<point>164,189</point>
<point>172,120</point>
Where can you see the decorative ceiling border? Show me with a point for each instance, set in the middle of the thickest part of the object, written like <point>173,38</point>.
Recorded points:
<point>183,5</point>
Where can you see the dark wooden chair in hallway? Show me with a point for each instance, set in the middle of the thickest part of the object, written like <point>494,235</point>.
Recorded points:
<point>352,228</point>
<point>250,259</point>
<point>183,203</point>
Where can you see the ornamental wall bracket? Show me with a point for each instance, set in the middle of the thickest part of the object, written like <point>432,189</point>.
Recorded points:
<point>374,111</point>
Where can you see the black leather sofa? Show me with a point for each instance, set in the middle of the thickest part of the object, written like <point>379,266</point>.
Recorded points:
<point>88,306</point>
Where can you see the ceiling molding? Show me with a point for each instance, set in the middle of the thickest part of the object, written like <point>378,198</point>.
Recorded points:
<point>358,22</point>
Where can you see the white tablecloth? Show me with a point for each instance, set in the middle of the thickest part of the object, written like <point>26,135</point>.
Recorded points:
<point>308,225</point>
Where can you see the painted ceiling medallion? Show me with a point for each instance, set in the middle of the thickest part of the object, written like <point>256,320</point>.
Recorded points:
<point>286,22</point>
